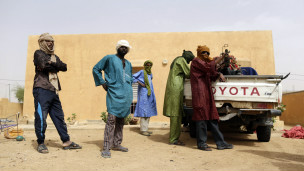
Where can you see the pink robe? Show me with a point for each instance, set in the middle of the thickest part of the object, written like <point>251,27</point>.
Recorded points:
<point>202,74</point>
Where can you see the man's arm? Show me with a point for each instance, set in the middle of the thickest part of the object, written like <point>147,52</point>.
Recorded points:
<point>222,78</point>
<point>42,63</point>
<point>185,67</point>
<point>138,77</point>
<point>59,65</point>
<point>97,72</point>
<point>219,59</point>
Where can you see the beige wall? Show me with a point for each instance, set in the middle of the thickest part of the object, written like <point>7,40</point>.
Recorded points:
<point>8,109</point>
<point>81,52</point>
<point>294,113</point>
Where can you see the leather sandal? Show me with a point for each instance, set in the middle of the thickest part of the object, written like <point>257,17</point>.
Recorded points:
<point>42,149</point>
<point>145,133</point>
<point>177,142</point>
<point>72,146</point>
<point>106,154</point>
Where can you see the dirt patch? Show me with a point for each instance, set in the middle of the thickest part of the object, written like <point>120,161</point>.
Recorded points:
<point>151,153</point>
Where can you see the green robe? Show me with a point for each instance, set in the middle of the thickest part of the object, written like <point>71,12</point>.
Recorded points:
<point>173,103</point>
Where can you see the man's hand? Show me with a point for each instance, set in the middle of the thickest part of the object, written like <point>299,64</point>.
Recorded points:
<point>143,85</point>
<point>222,78</point>
<point>105,87</point>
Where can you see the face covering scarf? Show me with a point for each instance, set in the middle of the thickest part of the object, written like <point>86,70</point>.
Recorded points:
<point>201,49</point>
<point>147,70</point>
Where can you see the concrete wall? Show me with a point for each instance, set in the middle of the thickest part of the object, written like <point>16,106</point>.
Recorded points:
<point>81,52</point>
<point>8,109</point>
<point>294,113</point>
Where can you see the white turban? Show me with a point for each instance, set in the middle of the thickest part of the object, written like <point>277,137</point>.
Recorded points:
<point>123,43</point>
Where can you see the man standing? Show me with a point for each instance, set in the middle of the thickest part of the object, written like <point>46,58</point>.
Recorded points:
<point>146,102</point>
<point>45,91</point>
<point>173,102</point>
<point>202,74</point>
<point>118,84</point>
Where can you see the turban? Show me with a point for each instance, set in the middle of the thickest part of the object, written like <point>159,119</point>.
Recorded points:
<point>201,49</point>
<point>123,43</point>
<point>148,61</point>
<point>42,44</point>
<point>188,55</point>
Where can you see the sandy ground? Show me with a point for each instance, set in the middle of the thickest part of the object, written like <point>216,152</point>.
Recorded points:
<point>150,153</point>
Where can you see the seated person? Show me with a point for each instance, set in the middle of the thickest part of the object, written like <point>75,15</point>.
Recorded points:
<point>229,66</point>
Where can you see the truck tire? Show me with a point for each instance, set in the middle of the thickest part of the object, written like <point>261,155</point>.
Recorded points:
<point>192,128</point>
<point>263,133</point>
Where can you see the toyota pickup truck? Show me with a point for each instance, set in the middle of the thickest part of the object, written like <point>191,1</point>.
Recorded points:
<point>245,102</point>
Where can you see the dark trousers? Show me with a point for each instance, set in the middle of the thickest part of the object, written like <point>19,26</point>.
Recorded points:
<point>47,101</point>
<point>113,132</point>
<point>201,133</point>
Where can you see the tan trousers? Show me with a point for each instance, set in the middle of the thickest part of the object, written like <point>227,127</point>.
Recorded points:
<point>144,124</point>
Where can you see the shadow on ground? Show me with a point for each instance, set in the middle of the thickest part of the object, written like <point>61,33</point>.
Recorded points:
<point>287,166</point>
<point>98,143</point>
<point>285,161</point>
<point>164,138</point>
<point>279,156</point>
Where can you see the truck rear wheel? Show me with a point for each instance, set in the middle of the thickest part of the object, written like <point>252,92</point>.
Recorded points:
<point>263,133</point>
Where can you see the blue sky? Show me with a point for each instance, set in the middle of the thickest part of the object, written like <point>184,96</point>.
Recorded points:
<point>21,18</point>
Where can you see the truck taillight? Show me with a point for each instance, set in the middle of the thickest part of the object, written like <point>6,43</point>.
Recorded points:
<point>262,106</point>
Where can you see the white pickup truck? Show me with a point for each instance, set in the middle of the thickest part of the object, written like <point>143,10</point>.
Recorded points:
<point>246,102</point>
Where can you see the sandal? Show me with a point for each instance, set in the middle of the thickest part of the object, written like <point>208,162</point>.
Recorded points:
<point>72,146</point>
<point>145,133</point>
<point>106,154</point>
<point>42,149</point>
<point>177,142</point>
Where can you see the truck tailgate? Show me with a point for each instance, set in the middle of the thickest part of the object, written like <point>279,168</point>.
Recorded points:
<point>244,88</point>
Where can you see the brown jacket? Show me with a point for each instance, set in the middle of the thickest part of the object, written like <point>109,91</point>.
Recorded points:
<point>42,69</point>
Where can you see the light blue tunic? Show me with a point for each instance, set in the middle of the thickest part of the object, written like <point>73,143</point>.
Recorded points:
<point>146,105</point>
<point>119,82</point>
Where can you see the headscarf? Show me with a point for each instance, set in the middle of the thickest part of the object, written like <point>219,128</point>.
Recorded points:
<point>147,70</point>
<point>43,45</point>
<point>201,49</point>
<point>123,43</point>
<point>188,55</point>
<point>53,78</point>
